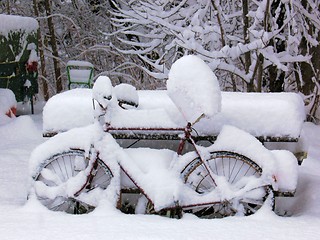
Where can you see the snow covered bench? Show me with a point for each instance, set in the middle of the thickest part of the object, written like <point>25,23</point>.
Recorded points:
<point>193,93</point>
<point>268,116</point>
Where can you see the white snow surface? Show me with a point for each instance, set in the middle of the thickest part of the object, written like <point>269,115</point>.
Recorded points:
<point>194,88</point>
<point>22,219</point>
<point>79,63</point>
<point>12,23</point>
<point>74,109</point>
<point>280,164</point>
<point>127,92</point>
<point>260,114</point>
<point>7,100</point>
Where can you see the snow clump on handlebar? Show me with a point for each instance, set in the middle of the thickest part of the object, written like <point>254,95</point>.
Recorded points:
<point>102,91</point>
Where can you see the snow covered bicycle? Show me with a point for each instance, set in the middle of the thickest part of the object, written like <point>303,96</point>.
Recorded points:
<point>73,171</point>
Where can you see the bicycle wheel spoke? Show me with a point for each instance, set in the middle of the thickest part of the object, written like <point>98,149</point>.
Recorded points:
<point>60,169</point>
<point>222,163</point>
<point>229,168</point>
<point>50,177</point>
<point>202,187</point>
<point>237,174</point>
<point>57,207</point>
<point>65,168</point>
<point>238,171</point>
<point>233,168</point>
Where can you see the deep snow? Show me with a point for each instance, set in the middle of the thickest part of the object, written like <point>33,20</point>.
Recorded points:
<point>22,219</point>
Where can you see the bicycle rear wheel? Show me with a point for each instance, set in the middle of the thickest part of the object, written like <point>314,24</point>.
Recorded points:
<point>236,170</point>
<point>54,174</point>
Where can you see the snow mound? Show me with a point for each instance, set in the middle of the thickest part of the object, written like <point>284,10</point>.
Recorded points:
<point>127,93</point>
<point>279,164</point>
<point>102,90</point>
<point>260,114</point>
<point>68,110</point>
<point>194,88</point>
<point>7,100</point>
<point>20,129</point>
<point>78,138</point>
<point>13,23</point>
<point>79,63</point>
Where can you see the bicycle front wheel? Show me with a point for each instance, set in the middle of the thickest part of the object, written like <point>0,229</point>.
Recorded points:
<point>55,172</point>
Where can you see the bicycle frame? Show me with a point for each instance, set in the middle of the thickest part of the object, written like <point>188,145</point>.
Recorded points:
<point>103,116</point>
<point>187,136</point>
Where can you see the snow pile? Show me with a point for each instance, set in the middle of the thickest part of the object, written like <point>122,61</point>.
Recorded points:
<point>286,163</point>
<point>68,110</point>
<point>79,138</point>
<point>103,95</point>
<point>127,93</point>
<point>20,129</point>
<point>281,164</point>
<point>79,63</point>
<point>143,118</point>
<point>18,137</point>
<point>194,88</point>
<point>108,108</point>
<point>33,57</point>
<point>11,23</point>
<point>102,91</point>
<point>8,104</point>
<point>261,114</point>
<point>7,100</point>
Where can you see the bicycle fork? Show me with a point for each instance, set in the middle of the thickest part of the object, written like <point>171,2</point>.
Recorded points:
<point>188,137</point>
<point>93,164</point>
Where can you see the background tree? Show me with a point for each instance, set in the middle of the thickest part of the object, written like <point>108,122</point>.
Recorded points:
<point>43,74</point>
<point>263,45</point>
<point>54,46</point>
<point>251,45</point>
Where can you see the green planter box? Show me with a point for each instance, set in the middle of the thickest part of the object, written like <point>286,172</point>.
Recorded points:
<point>18,55</point>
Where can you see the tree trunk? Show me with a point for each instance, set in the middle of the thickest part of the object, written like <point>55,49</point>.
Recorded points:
<point>308,70</point>
<point>42,59</point>
<point>277,76</point>
<point>8,7</point>
<point>247,55</point>
<point>54,47</point>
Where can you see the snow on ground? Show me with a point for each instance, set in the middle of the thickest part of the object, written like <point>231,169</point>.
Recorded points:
<point>22,219</point>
